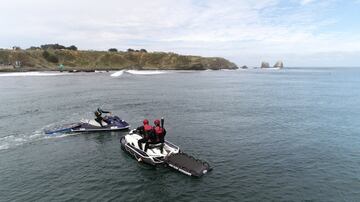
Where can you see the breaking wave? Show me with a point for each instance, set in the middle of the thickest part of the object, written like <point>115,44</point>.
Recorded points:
<point>30,74</point>
<point>117,74</point>
<point>138,72</point>
<point>145,72</point>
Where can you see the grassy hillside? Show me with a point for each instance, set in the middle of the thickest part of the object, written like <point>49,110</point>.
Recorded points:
<point>102,60</point>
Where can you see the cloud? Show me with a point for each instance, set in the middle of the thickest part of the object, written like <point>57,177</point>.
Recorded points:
<point>304,2</point>
<point>243,30</point>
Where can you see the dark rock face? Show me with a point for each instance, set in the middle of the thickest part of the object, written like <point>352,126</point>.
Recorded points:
<point>244,67</point>
<point>265,65</point>
<point>197,66</point>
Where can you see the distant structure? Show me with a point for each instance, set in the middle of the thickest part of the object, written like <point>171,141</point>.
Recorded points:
<point>265,65</point>
<point>17,64</point>
<point>16,48</point>
<point>61,67</point>
<point>279,64</point>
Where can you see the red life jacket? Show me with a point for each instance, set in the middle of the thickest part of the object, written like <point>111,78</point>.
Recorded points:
<point>147,128</point>
<point>159,133</point>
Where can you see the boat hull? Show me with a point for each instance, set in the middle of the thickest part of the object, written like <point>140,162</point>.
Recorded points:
<point>113,123</point>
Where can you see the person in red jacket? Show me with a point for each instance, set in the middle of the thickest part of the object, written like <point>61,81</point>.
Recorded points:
<point>160,133</point>
<point>146,131</point>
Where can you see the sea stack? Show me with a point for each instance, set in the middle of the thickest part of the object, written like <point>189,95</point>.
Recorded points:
<point>279,64</point>
<point>265,65</point>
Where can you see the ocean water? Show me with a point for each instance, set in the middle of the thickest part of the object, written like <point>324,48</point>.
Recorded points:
<point>271,135</point>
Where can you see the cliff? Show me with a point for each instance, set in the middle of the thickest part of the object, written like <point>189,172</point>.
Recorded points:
<point>47,60</point>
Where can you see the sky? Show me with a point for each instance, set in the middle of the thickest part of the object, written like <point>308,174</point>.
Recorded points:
<point>314,33</point>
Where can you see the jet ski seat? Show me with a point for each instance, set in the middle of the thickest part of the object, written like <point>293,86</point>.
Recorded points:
<point>158,145</point>
<point>95,123</point>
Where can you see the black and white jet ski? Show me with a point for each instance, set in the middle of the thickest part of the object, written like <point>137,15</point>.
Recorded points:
<point>170,155</point>
<point>113,123</point>
<point>153,155</point>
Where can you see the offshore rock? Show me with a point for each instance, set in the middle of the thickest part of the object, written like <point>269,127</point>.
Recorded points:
<point>265,65</point>
<point>279,64</point>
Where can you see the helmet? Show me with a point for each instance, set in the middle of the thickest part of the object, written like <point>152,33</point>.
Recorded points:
<point>145,121</point>
<point>157,122</point>
<point>97,113</point>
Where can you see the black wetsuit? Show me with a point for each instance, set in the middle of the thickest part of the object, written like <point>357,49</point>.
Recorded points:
<point>151,140</point>
<point>159,137</point>
<point>148,135</point>
<point>159,134</point>
<point>99,118</point>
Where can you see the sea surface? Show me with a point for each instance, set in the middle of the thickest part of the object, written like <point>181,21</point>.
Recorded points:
<point>271,135</point>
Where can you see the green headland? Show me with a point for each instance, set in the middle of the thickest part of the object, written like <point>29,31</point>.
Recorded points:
<point>54,57</point>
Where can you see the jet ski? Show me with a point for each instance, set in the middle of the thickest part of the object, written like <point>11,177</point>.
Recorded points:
<point>153,155</point>
<point>170,156</point>
<point>112,123</point>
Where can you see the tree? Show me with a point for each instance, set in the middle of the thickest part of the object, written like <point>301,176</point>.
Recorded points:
<point>46,54</point>
<point>53,59</point>
<point>143,50</point>
<point>50,57</point>
<point>52,46</point>
<point>130,50</point>
<point>72,47</point>
<point>113,50</point>
<point>34,48</point>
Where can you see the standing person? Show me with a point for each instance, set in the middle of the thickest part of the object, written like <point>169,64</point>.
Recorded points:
<point>146,131</point>
<point>160,133</point>
<point>98,116</point>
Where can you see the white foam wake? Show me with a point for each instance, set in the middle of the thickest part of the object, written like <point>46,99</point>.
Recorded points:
<point>11,141</point>
<point>15,140</point>
<point>117,74</point>
<point>100,71</point>
<point>30,74</point>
